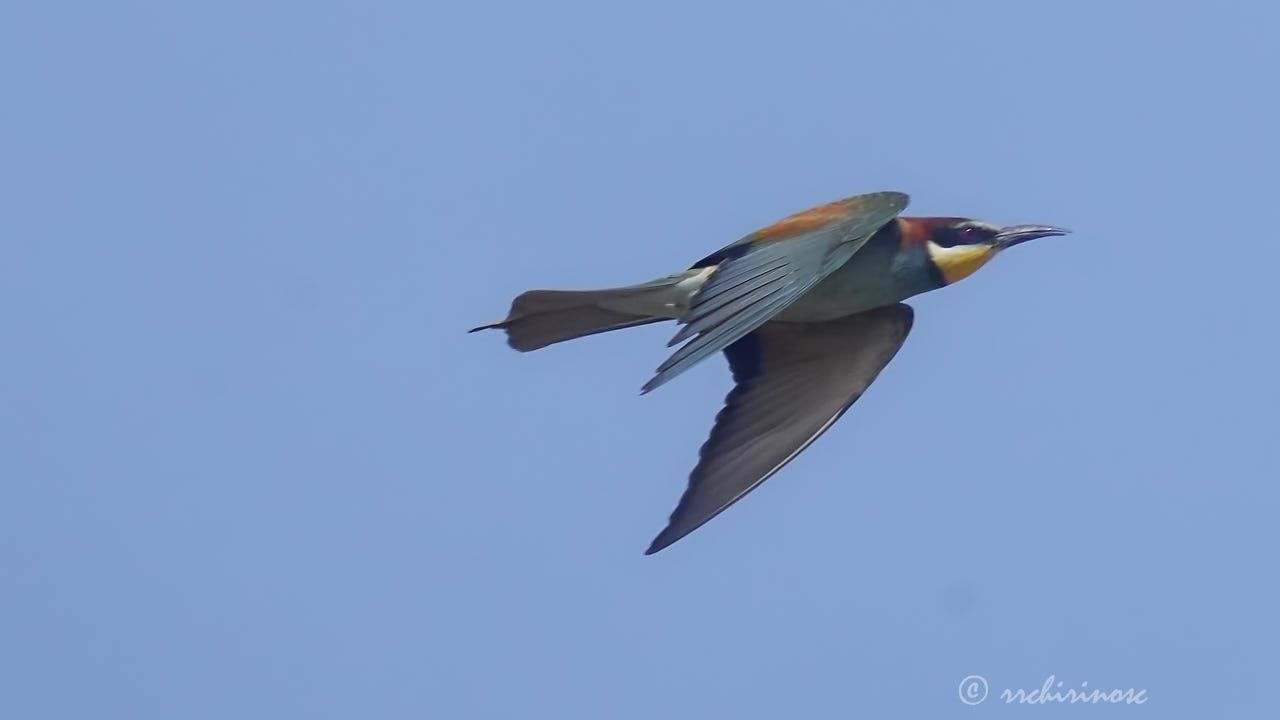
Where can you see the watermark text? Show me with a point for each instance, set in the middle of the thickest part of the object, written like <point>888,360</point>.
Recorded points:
<point>973,690</point>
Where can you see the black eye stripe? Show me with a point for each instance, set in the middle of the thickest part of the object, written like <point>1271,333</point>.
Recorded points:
<point>963,235</point>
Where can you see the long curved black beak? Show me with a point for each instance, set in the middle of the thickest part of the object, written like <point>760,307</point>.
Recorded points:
<point>1015,234</point>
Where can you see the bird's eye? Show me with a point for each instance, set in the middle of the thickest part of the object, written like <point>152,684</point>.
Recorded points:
<point>962,233</point>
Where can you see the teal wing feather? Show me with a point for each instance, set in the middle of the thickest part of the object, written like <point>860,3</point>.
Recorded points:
<point>773,268</point>
<point>792,382</point>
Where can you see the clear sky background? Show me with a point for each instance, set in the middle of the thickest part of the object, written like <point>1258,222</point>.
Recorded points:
<point>253,467</point>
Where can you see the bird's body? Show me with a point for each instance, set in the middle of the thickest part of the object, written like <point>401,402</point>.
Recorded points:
<point>877,275</point>
<point>807,311</point>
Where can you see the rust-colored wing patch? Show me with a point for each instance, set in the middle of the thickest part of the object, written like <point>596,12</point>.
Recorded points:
<point>823,215</point>
<point>805,221</point>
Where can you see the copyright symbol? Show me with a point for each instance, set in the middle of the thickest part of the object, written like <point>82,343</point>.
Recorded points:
<point>973,690</point>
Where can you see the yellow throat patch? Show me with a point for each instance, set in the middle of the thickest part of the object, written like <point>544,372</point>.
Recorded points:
<point>960,261</point>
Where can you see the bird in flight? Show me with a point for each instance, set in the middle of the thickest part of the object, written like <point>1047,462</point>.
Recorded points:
<point>808,311</point>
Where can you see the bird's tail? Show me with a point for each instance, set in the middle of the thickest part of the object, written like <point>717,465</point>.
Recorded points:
<point>541,317</point>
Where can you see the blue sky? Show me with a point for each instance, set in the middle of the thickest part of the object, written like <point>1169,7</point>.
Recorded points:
<point>253,467</point>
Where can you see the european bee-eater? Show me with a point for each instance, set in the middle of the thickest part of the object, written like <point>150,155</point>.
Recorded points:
<point>808,311</point>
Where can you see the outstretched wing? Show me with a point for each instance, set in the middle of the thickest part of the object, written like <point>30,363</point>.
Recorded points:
<point>760,275</point>
<point>792,382</point>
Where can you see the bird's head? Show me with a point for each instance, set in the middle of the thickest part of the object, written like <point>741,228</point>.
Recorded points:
<point>957,247</point>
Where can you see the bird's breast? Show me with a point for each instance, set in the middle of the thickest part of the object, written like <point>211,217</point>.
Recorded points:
<point>879,274</point>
